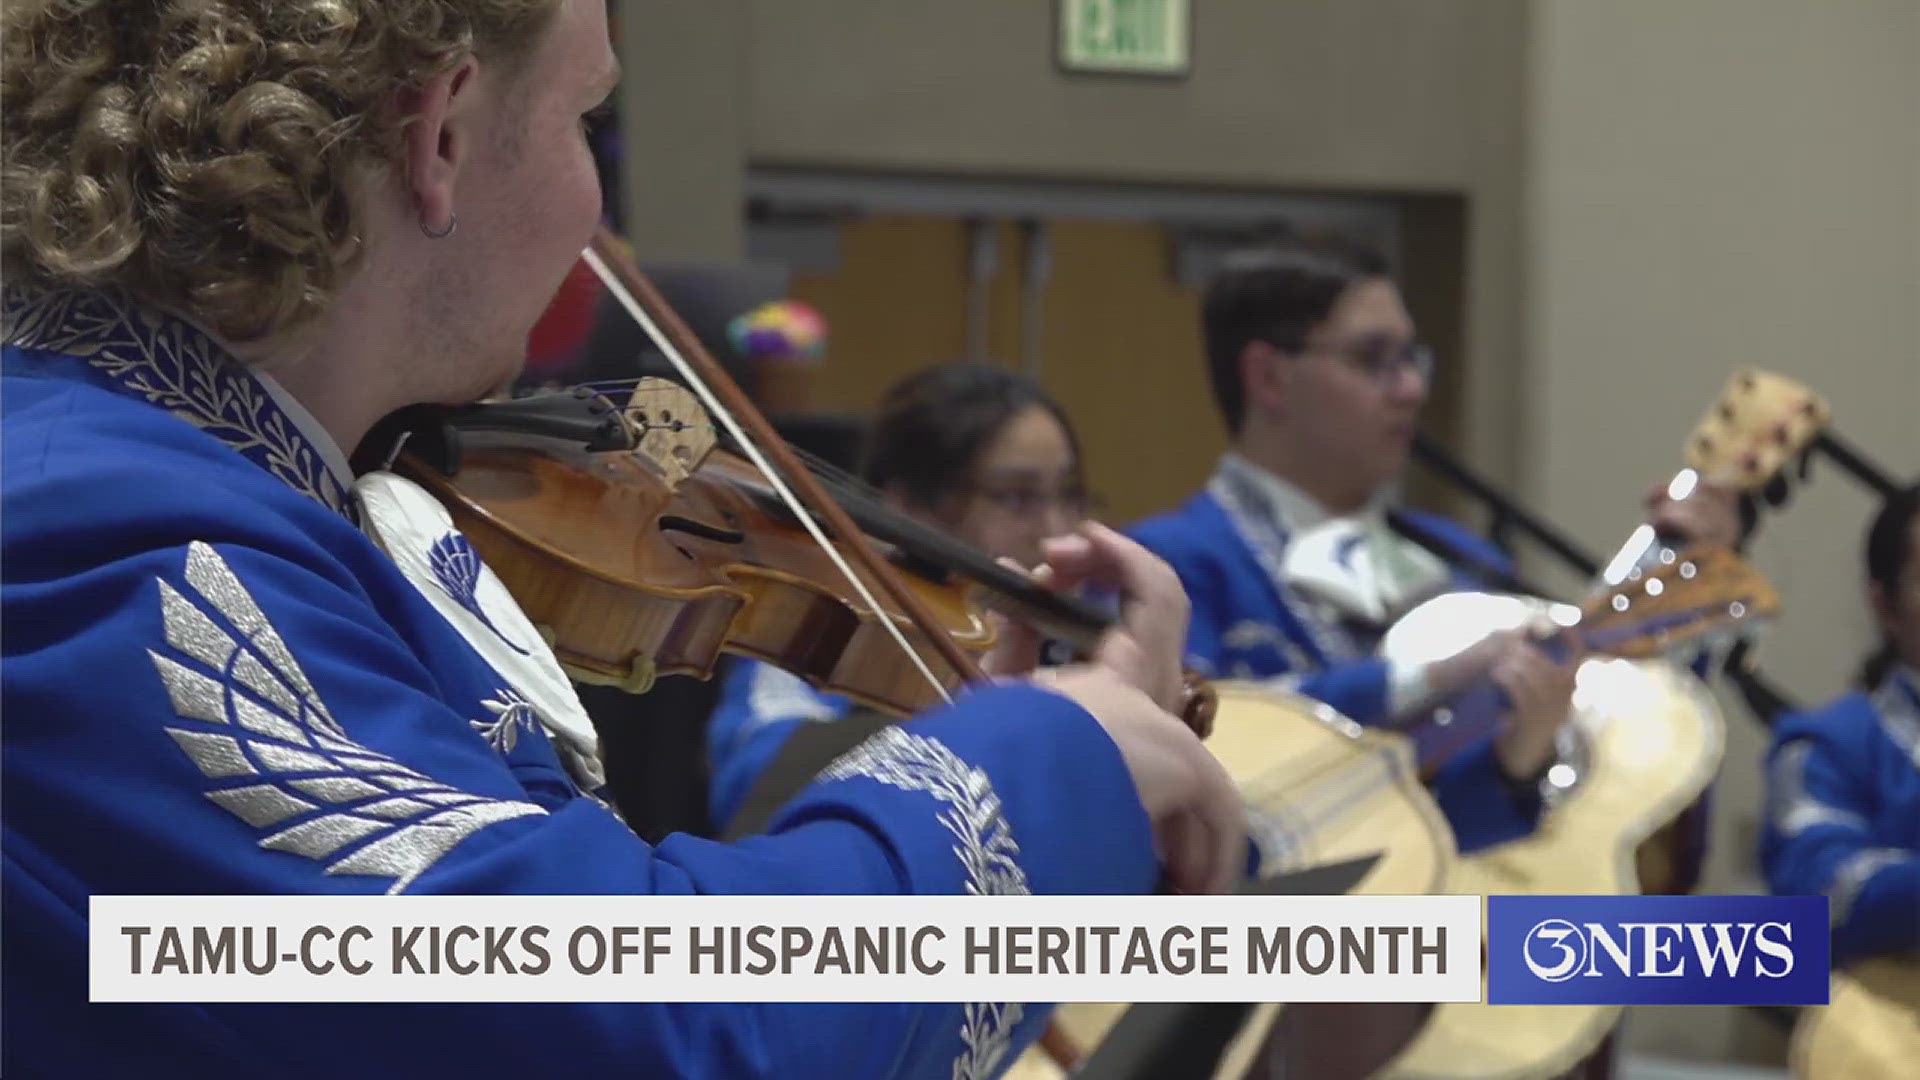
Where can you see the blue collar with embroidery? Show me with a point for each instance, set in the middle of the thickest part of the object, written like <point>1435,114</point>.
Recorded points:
<point>169,362</point>
<point>1900,691</point>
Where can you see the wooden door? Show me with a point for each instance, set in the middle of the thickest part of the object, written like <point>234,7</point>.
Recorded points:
<point>1120,344</point>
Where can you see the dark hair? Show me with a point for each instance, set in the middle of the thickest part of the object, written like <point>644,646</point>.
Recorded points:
<point>1887,551</point>
<point>1277,295</point>
<point>933,425</point>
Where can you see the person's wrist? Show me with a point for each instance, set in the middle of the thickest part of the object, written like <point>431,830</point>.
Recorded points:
<point>1523,763</point>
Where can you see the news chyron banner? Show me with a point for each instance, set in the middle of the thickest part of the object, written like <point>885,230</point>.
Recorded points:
<point>784,948</point>
<point>1539,950</point>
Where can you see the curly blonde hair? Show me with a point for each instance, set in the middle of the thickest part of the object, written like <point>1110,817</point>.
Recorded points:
<point>196,153</point>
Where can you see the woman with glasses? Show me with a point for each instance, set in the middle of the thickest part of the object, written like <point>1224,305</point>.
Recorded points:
<point>978,451</point>
<point>1843,813</point>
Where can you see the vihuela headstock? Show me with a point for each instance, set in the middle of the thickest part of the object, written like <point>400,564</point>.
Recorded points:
<point>1702,591</point>
<point>1759,425</point>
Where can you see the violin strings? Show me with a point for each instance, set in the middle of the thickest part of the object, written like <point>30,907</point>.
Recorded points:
<point>717,410</point>
<point>868,507</point>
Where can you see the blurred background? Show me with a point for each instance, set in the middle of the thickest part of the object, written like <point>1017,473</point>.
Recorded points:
<point>1598,211</point>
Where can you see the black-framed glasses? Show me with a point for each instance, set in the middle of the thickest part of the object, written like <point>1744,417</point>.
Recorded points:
<point>1026,500</point>
<point>1379,360</point>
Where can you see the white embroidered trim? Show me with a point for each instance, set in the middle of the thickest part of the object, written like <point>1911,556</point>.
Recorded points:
<point>986,850</point>
<point>1790,807</point>
<point>1898,716</point>
<point>1852,876</point>
<point>174,365</point>
<point>1236,487</point>
<point>252,718</point>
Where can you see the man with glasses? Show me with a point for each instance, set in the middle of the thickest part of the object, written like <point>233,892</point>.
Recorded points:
<point>1291,560</point>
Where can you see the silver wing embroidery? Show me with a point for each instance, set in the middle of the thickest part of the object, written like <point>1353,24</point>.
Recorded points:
<point>276,758</point>
<point>984,845</point>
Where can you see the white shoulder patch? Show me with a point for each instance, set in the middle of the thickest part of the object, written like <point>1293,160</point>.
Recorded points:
<point>255,726</point>
<point>417,533</point>
<point>776,694</point>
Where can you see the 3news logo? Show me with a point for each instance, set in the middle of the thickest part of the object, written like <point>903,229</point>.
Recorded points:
<point>1657,950</point>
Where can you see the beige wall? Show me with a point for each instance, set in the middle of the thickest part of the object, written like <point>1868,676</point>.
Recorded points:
<point>1277,93</point>
<point>1712,184</point>
<point>683,117</point>
<point>1658,192</point>
<point>1331,95</point>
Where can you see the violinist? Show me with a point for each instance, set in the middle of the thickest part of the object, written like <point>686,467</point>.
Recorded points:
<point>977,450</point>
<point>236,234</point>
<point>1296,559</point>
<point>1843,799</point>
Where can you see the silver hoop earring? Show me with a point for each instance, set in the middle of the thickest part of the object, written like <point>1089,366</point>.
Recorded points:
<point>452,224</point>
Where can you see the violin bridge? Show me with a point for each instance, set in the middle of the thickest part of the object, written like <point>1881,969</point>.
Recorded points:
<point>671,428</point>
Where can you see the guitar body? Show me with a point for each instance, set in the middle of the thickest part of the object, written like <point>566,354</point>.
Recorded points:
<point>1869,1030</point>
<point>1647,738</point>
<point>1319,789</point>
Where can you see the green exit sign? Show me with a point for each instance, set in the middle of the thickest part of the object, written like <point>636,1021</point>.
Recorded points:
<point>1135,37</point>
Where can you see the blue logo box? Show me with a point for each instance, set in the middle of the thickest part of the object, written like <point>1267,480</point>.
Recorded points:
<point>1657,950</point>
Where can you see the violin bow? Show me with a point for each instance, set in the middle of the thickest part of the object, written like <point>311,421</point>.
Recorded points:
<point>729,405</point>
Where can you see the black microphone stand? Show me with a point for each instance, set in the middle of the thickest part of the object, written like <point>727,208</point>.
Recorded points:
<point>1766,701</point>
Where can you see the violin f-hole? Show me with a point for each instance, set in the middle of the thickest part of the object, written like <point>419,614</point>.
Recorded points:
<point>676,523</point>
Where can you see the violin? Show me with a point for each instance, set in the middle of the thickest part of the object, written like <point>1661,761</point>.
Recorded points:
<point>642,547</point>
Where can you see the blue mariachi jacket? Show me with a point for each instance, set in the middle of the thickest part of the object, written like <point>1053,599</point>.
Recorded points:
<point>759,706</point>
<point>1247,624</point>
<point>215,682</point>
<point>1843,815</point>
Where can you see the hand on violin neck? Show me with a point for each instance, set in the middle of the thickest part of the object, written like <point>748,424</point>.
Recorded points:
<point>1199,821</point>
<point>1145,644</point>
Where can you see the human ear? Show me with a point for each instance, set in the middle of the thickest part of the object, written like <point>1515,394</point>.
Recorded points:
<point>1263,381</point>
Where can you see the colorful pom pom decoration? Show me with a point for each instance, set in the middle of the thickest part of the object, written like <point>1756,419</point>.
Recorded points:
<point>781,328</point>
